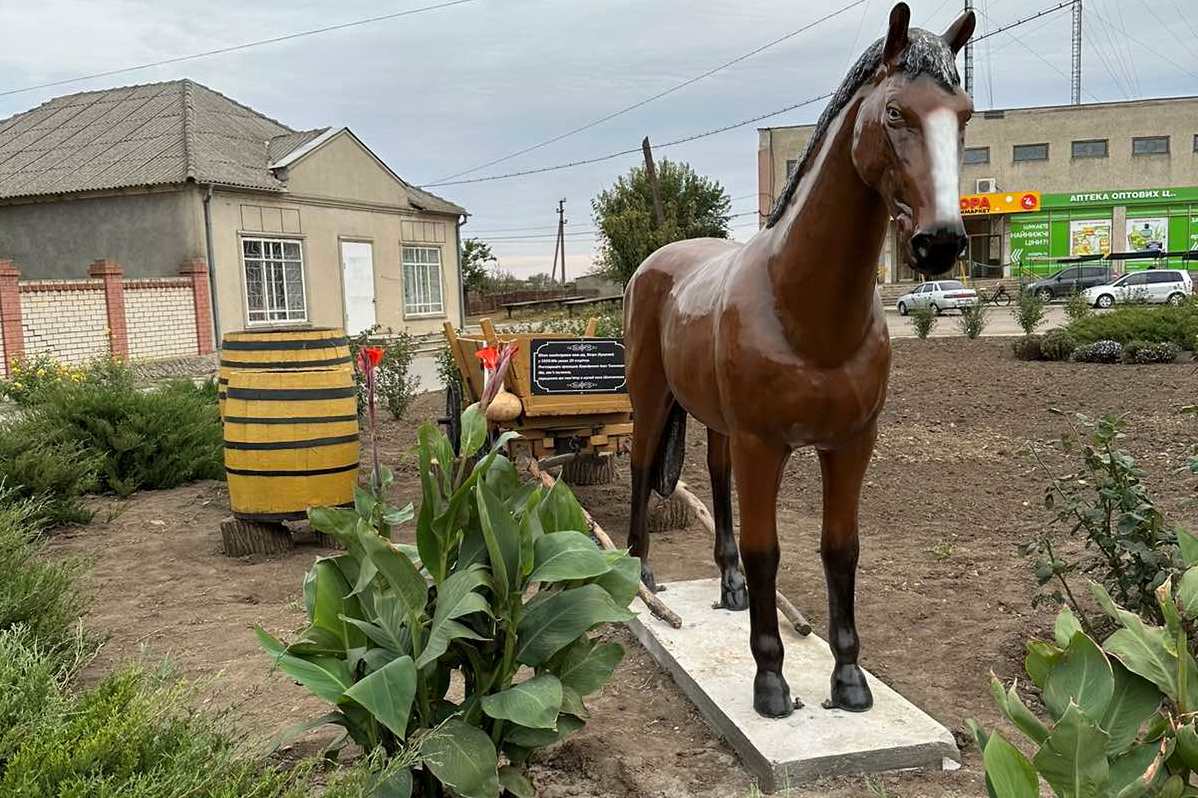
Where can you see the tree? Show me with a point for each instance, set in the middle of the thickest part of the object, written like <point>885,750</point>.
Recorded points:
<point>475,257</point>
<point>540,280</point>
<point>694,206</point>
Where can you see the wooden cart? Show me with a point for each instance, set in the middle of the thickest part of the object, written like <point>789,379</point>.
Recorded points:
<point>596,419</point>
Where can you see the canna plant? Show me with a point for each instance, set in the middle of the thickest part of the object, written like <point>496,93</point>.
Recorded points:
<point>1121,714</point>
<point>467,651</point>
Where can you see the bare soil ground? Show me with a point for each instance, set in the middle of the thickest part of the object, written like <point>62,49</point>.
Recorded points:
<point>943,598</point>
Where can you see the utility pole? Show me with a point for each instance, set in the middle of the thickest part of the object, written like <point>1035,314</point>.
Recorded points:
<point>1076,95</point>
<point>560,244</point>
<point>651,173</point>
<point>969,56</point>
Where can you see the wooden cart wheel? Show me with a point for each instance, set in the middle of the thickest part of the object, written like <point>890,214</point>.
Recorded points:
<point>242,537</point>
<point>589,469</point>
<point>671,513</point>
<point>453,415</point>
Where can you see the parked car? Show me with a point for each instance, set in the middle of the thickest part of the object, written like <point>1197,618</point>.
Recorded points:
<point>939,295</point>
<point>1068,281</point>
<point>1153,285</point>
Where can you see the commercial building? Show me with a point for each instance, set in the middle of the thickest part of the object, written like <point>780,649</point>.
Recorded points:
<point>1055,181</point>
<point>296,227</point>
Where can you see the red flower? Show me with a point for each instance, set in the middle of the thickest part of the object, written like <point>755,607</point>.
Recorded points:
<point>501,361</point>
<point>374,353</point>
<point>489,355</point>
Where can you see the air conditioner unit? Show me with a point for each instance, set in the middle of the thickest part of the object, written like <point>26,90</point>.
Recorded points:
<point>985,185</point>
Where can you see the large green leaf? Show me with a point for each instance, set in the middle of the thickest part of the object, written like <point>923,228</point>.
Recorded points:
<point>554,623</point>
<point>530,531</point>
<point>567,556</point>
<point>325,677</point>
<point>534,703</point>
<point>1187,745</point>
<point>318,641</point>
<point>1144,649</point>
<point>388,694</point>
<point>397,569</point>
<point>333,603</point>
<point>538,738</point>
<point>474,430</point>
<point>1066,627</point>
<point>515,782</point>
<point>560,511</point>
<point>502,479</point>
<point>1041,657</point>
<point>1187,593</point>
<point>1188,544</point>
<point>338,523</point>
<point>456,597</point>
<point>1083,677</point>
<point>1017,712</point>
<point>503,543</point>
<point>1008,771</point>
<point>1133,702</point>
<point>587,665</point>
<point>463,758</point>
<point>1137,773</point>
<point>624,578</point>
<point>1073,758</point>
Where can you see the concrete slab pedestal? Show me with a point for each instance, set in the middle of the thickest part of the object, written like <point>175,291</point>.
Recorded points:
<point>710,660</point>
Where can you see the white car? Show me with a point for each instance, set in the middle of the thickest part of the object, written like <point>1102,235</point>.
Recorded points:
<point>939,295</point>
<point>1151,285</point>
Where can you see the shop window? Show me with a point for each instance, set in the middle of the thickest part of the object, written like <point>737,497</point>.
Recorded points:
<point>1150,145</point>
<point>977,155</point>
<point>1091,148</point>
<point>1030,152</point>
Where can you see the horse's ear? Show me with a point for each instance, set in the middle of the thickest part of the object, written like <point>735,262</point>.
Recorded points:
<point>896,36</point>
<point>959,32</point>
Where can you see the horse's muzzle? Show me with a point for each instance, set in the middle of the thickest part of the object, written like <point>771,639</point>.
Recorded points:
<point>934,251</point>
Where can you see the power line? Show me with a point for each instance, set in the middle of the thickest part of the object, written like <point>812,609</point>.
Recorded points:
<point>236,47</point>
<point>1122,84</point>
<point>1156,51</point>
<point>1169,28</point>
<point>579,235</point>
<point>1034,52</point>
<point>689,81</point>
<point>1018,22</point>
<point>490,230</point>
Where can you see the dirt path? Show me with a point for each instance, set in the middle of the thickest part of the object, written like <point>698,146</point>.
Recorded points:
<point>944,597</point>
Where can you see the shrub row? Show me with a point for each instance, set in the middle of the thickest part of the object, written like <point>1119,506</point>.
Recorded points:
<point>1052,345</point>
<point>1151,324</point>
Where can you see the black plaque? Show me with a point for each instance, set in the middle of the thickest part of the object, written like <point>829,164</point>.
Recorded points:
<point>574,365</point>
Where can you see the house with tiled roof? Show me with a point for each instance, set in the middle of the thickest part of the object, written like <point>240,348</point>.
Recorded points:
<point>297,227</point>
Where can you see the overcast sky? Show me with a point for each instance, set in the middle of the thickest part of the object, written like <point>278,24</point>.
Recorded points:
<point>440,92</point>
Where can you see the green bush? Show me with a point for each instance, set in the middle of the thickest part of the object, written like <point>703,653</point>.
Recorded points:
<point>37,593</point>
<point>1029,347</point>
<point>1145,352</point>
<point>56,471</point>
<point>973,320</point>
<point>1029,310</point>
<point>1098,352</point>
<point>160,438</point>
<point>503,582</point>
<point>923,320</point>
<point>1077,307</point>
<point>30,378</point>
<point>1057,344</point>
<point>394,381</point>
<point>31,676</point>
<point>1150,323</point>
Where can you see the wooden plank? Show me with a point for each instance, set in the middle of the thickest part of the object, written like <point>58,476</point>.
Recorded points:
<point>592,325</point>
<point>513,379</point>
<point>470,378</point>
<point>576,404</point>
<point>590,421</point>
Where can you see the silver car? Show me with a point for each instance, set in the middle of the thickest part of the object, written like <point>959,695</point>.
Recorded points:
<point>939,295</point>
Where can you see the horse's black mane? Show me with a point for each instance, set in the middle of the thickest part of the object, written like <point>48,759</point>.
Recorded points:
<point>927,54</point>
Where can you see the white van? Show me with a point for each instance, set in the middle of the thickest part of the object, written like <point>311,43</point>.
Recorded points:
<point>1152,285</point>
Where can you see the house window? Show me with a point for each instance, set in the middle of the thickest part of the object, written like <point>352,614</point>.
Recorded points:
<point>422,281</point>
<point>976,155</point>
<point>274,280</point>
<point>1030,152</point>
<point>791,165</point>
<point>1091,148</point>
<point>1150,145</point>
<point>1196,142</point>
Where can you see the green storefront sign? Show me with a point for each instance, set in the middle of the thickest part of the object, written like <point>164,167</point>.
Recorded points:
<point>1085,223</point>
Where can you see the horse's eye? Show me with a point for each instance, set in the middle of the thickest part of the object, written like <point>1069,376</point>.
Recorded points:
<point>893,114</point>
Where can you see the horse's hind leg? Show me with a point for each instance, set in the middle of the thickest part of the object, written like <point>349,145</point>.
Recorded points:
<point>843,471</point>
<point>652,405</point>
<point>757,468</point>
<point>733,593</point>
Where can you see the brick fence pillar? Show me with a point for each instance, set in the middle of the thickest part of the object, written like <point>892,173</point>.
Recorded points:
<point>196,269</point>
<point>10,315</point>
<point>114,297</point>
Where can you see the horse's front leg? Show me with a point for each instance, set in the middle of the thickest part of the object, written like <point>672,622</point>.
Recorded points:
<point>733,594</point>
<point>757,468</point>
<point>843,470</point>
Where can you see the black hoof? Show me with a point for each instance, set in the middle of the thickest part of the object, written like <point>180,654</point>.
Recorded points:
<point>649,580</point>
<point>771,695</point>
<point>734,594</point>
<point>849,690</point>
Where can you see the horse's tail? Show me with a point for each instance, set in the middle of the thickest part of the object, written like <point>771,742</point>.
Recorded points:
<point>667,465</point>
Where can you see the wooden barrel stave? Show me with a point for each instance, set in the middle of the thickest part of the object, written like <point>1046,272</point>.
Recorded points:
<point>282,350</point>
<point>291,441</point>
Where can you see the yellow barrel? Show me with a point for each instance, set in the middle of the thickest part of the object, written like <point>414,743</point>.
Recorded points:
<point>281,349</point>
<point>291,441</point>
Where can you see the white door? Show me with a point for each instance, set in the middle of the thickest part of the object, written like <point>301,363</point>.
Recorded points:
<point>357,270</point>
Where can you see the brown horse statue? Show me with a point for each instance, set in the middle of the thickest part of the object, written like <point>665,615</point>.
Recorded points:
<point>781,342</point>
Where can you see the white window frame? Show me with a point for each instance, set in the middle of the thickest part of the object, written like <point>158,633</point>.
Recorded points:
<point>289,316</point>
<point>426,308</point>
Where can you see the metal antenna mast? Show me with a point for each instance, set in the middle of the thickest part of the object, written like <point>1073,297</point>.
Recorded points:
<point>1076,97</point>
<point>969,56</point>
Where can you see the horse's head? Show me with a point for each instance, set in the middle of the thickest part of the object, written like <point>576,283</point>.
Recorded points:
<point>908,137</point>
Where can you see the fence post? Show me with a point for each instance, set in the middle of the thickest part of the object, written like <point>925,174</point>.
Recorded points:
<point>114,297</point>
<point>10,314</point>
<point>196,269</point>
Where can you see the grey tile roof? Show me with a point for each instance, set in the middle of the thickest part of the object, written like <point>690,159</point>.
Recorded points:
<point>147,135</point>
